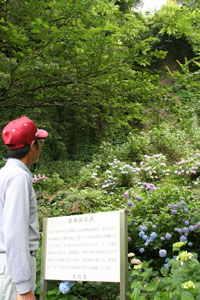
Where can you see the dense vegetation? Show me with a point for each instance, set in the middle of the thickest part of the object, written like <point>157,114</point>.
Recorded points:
<point>118,92</point>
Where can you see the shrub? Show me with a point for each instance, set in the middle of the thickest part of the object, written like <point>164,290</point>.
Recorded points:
<point>177,279</point>
<point>159,218</point>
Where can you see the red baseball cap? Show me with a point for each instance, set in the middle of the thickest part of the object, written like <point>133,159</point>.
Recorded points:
<point>20,131</point>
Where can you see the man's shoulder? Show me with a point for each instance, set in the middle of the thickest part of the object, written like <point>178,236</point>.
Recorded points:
<point>9,173</point>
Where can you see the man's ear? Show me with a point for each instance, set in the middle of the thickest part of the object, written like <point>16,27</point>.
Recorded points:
<point>32,145</point>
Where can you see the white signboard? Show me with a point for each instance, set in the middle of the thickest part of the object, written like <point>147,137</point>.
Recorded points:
<point>83,247</point>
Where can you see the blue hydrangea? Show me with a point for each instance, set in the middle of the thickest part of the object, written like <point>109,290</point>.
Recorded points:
<point>141,250</point>
<point>145,237</point>
<point>65,286</point>
<point>186,230</point>
<point>168,236</point>
<point>183,238</point>
<point>141,233</point>
<point>162,253</point>
<point>154,226</point>
<point>153,236</point>
<point>145,228</point>
<point>166,266</point>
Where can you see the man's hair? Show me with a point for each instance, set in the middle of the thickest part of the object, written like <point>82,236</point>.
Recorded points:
<point>21,152</point>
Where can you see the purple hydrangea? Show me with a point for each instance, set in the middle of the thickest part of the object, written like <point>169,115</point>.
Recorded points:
<point>126,195</point>
<point>174,211</point>
<point>138,198</point>
<point>141,250</point>
<point>129,203</point>
<point>191,228</point>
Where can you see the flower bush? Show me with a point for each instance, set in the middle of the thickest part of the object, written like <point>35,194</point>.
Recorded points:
<point>160,219</point>
<point>153,168</point>
<point>189,167</point>
<point>178,279</point>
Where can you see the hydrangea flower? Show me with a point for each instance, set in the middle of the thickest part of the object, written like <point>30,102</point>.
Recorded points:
<point>168,236</point>
<point>186,230</point>
<point>138,198</point>
<point>126,195</point>
<point>129,203</point>
<point>166,266</point>
<point>183,238</point>
<point>184,256</point>
<point>189,285</point>
<point>131,254</point>
<point>65,286</point>
<point>153,236</point>
<point>135,261</point>
<point>145,237</point>
<point>141,250</point>
<point>141,234</point>
<point>162,253</point>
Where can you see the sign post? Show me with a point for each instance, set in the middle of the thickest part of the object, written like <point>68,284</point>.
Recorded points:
<point>89,247</point>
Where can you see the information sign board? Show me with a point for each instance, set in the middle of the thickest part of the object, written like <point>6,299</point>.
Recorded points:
<point>88,247</point>
<point>83,247</point>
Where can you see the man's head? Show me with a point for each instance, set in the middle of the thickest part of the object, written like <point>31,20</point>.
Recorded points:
<point>20,136</point>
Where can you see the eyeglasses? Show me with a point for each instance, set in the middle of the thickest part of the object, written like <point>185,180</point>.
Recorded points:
<point>41,141</point>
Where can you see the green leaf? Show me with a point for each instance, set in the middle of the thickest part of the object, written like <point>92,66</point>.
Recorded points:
<point>152,286</point>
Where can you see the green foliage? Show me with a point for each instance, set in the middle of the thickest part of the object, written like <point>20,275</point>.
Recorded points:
<point>177,280</point>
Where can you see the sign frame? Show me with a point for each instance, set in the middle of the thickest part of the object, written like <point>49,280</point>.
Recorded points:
<point>123,256</point>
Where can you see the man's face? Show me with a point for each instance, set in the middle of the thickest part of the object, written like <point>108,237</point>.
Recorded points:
<point>37,146</point>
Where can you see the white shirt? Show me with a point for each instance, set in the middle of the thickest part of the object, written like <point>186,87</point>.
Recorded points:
<point>19,230</point>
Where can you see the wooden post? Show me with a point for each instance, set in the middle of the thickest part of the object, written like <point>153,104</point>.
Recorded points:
<point>43,282</point>
<point>123,255</point>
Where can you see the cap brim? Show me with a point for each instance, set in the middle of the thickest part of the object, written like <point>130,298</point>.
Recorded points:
<point>42,133</point>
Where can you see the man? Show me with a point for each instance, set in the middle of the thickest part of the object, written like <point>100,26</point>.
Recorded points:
<point>19,232</point>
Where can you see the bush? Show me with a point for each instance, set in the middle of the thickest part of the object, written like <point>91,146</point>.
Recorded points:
<point>177,279</point>
<point>159,218</point>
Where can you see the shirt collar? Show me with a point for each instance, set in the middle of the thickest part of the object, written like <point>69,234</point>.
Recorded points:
<point>19,163</point>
